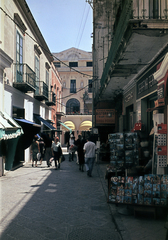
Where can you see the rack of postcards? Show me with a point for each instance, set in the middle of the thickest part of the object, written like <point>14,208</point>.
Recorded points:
<point>123,151</point>
<point>150,190</point>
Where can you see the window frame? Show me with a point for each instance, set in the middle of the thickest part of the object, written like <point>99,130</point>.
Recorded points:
<point>73,64</point>
<point>73,86</point>
<point>89,64</point>
<point>89,88</point>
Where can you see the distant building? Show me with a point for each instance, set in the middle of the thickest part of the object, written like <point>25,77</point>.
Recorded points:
<point>75,70</point>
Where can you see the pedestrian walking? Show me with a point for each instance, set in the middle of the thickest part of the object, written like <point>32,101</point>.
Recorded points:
<point>48,151</point>
<point>89,150</point>
<point>80,143</point>
<point>35,149</point>
<point>56,152</point>
<point>71,147</point>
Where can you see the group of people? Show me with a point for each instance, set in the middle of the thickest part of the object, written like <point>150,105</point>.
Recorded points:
<point>85,151</point>
<point>43,147</point>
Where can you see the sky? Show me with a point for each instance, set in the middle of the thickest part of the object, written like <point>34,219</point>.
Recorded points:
<point>64,23</point>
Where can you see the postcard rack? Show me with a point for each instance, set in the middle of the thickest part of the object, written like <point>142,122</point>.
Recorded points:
<point>147,190</point>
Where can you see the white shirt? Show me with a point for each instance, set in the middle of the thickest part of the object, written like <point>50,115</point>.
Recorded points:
<point>89,148</point>
<point>55,146</point>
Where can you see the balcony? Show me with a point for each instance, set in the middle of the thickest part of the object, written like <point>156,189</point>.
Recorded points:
<point>80,112</point>
<point>24,78</point>
<point>51,99</point>
<point>41,92</point>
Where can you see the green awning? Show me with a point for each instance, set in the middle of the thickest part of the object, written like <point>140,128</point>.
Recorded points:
<point>9,129</point>
<point>10,133</point>
<point>66,126</point>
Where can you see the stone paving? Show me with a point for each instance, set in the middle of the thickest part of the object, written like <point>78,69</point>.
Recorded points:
<point>65,204</point>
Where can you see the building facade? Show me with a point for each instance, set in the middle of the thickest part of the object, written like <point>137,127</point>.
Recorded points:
<point>75,69</point>
<point>132,39</point>
<point>127,37</point>
<point>29,82</point>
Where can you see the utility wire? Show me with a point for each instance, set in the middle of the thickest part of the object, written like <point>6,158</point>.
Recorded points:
<point>80,25</point>
<point>52,55</point>
<point>83,28</point>
<point>84,74</point>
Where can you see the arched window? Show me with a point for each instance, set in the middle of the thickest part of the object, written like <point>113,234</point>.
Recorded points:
<point>72,106</point>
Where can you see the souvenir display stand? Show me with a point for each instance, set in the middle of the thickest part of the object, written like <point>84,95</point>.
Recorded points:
<point>145,192</point>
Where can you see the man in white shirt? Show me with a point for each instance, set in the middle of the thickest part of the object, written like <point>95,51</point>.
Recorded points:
<point>89,150</point>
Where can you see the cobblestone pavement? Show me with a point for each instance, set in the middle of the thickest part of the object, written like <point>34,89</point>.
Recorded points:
<point>65,204</point>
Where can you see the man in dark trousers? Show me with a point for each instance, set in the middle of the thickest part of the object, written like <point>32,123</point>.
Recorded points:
<point>89,150</point>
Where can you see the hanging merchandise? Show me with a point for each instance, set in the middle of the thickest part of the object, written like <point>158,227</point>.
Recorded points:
<point>123,150</point>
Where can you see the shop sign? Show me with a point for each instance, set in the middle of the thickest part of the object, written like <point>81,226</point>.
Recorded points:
<point>160,91</point>
<point>129,97</point>
<point>105,116</point>
<point>145,85</point>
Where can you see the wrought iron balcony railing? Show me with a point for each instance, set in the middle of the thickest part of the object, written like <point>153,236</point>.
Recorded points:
<point>80,112</point>
<point>51,98</point>
<point>41,92</point>
<point>24,77</point>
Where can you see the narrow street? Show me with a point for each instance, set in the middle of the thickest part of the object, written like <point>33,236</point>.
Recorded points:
<point>66,204</point>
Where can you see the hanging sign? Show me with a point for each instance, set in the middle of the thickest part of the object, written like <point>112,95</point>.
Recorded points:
<point>105,116</point>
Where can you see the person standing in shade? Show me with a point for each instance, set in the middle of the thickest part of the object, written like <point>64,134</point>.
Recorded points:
<point>35,149</point>
<point>80,143</point>
<point>56,151</point>
<point>41,145</point>
<point>89,150</point>
<point>47,144</point>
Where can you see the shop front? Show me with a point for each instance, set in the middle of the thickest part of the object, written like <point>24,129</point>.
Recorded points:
<point>30,129</point>
<point>10,132</point>
<point>129,108</point>
<point>137,173</point>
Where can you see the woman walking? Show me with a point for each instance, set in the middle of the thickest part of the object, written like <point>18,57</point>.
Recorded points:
<point>56,151</point>
<point>35,149</point>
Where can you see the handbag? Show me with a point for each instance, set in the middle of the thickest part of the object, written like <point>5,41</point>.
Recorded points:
<point>38,156</point>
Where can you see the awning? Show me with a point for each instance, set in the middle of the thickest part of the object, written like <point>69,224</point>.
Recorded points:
<point>85,126</point>
<point>30,129</point>
<point>65,126</point>
<point>10,133</point>
<point>45,123</point>
<point>9,129</point>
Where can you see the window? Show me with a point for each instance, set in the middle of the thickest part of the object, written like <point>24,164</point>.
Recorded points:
<point>155,9</point>
<point>90,85</point>
<point>72,106</point>
<point>73,64</point>
<point>64,84</point>
<point>57,64</point>
<point>73,86</point>
<point>89,64</point>
<point>37,71</point>
<point>47,77</point>
<point>82,84</point>
<point>19,57</point>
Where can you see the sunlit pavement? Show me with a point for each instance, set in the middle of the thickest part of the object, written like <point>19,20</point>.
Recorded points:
<point>44,203</point>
